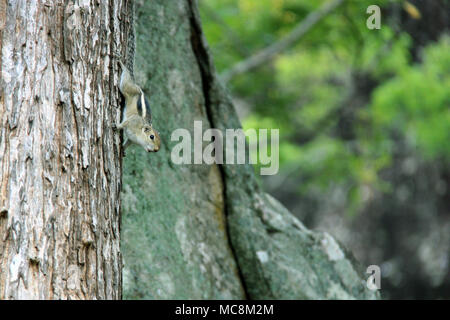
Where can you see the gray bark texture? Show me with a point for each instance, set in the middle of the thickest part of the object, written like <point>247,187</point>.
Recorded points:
<point>60,164</point>
<point>209,231</point>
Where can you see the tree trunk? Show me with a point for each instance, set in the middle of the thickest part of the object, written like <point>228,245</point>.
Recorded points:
<point>209,231</point>
<point>60,169</point>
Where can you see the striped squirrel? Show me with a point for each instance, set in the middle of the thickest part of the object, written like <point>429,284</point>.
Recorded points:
<point>137,116</point>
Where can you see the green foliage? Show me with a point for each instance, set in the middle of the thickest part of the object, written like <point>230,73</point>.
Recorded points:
<point>345,98</point>
<point>416,103</point>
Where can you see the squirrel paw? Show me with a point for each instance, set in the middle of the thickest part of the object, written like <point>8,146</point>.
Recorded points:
<point>114,127</point>
<point>117,54</point>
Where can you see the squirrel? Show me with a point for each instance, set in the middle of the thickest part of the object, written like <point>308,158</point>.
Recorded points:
<point>137,115</point>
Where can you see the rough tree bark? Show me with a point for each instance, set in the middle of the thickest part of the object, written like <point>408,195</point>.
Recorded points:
<point>209,231</point>
<point>60,170</point>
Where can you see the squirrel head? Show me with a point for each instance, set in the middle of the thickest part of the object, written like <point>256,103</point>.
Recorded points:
<point>149,138</point>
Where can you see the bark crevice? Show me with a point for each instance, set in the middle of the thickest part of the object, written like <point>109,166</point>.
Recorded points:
<point>202,56</point>
<point>266,259</point>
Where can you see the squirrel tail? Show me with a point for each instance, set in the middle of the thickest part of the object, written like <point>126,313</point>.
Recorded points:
<point>131,38</point>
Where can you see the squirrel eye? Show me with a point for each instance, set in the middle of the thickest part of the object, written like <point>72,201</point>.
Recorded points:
<point>152,137</point>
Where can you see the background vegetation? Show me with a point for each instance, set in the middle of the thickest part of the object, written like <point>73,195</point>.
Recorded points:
<point>364,125</point>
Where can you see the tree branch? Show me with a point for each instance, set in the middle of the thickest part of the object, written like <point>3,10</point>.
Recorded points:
<point>270,52</point>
